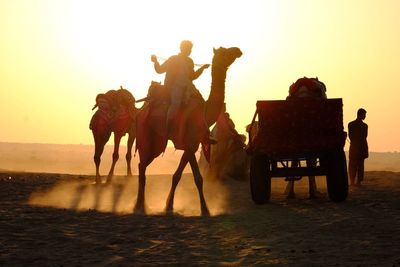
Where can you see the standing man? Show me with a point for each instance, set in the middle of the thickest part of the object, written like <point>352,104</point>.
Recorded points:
<point>358,132</point>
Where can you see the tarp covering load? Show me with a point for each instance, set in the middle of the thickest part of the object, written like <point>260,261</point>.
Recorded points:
<point>299,125</point>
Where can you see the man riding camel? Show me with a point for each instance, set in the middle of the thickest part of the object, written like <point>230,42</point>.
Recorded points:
<point>179,78</point>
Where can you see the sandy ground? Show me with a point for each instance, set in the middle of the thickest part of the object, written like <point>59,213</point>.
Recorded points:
<point>65,220</point>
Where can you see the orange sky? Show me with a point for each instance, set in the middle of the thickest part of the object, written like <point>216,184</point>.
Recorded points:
<point>57,55</point>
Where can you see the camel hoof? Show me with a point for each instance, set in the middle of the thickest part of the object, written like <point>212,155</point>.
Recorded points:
<point>139,211</point>
<point>315,195</point>
<point>169,212</point>
<point>291,196</point>
<point>205,212</point>
<point>169,208</point>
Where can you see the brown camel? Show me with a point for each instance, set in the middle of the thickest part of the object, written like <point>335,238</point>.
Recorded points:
<point>306,87</point>
<point>116,114</point>
<point>228,157</point>
<point>152,134</point>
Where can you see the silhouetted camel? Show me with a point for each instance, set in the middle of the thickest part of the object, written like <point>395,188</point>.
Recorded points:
<point>228,157</point>
<point>116,114</point>
<point>306,87</point>
<point>152,133</point>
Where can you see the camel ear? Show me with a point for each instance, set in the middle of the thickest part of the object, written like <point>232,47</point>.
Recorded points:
<point>214,49</point>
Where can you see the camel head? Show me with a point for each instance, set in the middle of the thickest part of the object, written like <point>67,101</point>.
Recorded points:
<point>224,57</point>
<point>153,88</point>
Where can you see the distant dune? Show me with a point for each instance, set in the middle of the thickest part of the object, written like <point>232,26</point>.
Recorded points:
<point>78,159</point>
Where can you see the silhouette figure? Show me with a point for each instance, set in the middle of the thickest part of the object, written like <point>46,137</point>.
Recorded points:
<point>358,152</point>
<point>116,114</point>
<point>306,87</point>
<point>179,78</point>
<point>228,156</point>
<point>152,135</point>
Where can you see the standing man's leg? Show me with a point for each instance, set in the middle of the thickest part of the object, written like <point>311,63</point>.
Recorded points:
<point>360,171</point>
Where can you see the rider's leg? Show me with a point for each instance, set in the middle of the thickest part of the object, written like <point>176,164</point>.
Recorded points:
<point>176,100</point>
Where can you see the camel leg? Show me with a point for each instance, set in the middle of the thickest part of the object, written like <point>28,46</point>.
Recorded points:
<point>175,180</point>
<point>98,151</point>
<point>146,155</point>
<point>128,157</point>
<point>289,190</point>
<point>145,160</point>
<point>313,191</point>
<point>115,156</point>
<point>312,185</point>
<point>198,179</point>
<point>140,201</point>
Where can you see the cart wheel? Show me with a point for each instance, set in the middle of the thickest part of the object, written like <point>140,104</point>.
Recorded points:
<point>336,175</point>
<point>260,180</point>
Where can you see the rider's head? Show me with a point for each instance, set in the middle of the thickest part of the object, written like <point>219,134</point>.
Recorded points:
<point>186,47</point>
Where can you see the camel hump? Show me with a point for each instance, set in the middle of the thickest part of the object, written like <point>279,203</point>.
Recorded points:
<point>158,92</point>
<point>125,97</point>
<point>112,99</point>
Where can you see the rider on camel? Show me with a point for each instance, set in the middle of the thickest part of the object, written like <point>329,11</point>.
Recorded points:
<point>179,78</point>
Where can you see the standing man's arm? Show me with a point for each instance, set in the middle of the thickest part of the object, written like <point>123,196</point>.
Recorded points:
<point>349,127</point>
<point>366,142</point>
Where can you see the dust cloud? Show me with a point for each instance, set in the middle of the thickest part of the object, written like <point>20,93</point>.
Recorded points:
<point>120,196</point>
<point>78,159</point>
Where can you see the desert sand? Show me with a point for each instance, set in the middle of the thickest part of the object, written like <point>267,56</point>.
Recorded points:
<point>65,220</point>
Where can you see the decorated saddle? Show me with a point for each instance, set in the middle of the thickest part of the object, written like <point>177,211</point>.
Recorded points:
<point>116,111</point>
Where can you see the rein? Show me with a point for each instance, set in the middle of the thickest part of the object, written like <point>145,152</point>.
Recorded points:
<point>197,65</point>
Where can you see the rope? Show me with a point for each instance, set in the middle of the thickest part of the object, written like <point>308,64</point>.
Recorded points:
<point>197,65</point>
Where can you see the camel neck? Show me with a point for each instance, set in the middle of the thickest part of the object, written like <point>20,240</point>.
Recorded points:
<point>216,97</point>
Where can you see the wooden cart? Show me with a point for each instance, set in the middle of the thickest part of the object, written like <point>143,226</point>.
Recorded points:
<point>296,138</point>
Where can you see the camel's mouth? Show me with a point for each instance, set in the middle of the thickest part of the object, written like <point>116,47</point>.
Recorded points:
<point>237,52</point>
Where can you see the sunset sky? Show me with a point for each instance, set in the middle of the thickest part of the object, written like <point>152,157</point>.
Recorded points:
<point>57,55</point>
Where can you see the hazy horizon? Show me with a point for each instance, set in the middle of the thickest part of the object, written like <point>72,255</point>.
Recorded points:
<point>78,159</point>
<point>122,145</point>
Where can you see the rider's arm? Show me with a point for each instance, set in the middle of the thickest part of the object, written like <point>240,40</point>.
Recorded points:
<point>198,72</point>
<point>163,67</point>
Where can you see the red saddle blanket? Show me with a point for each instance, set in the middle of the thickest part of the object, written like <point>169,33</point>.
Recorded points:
<point>185,131</point>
